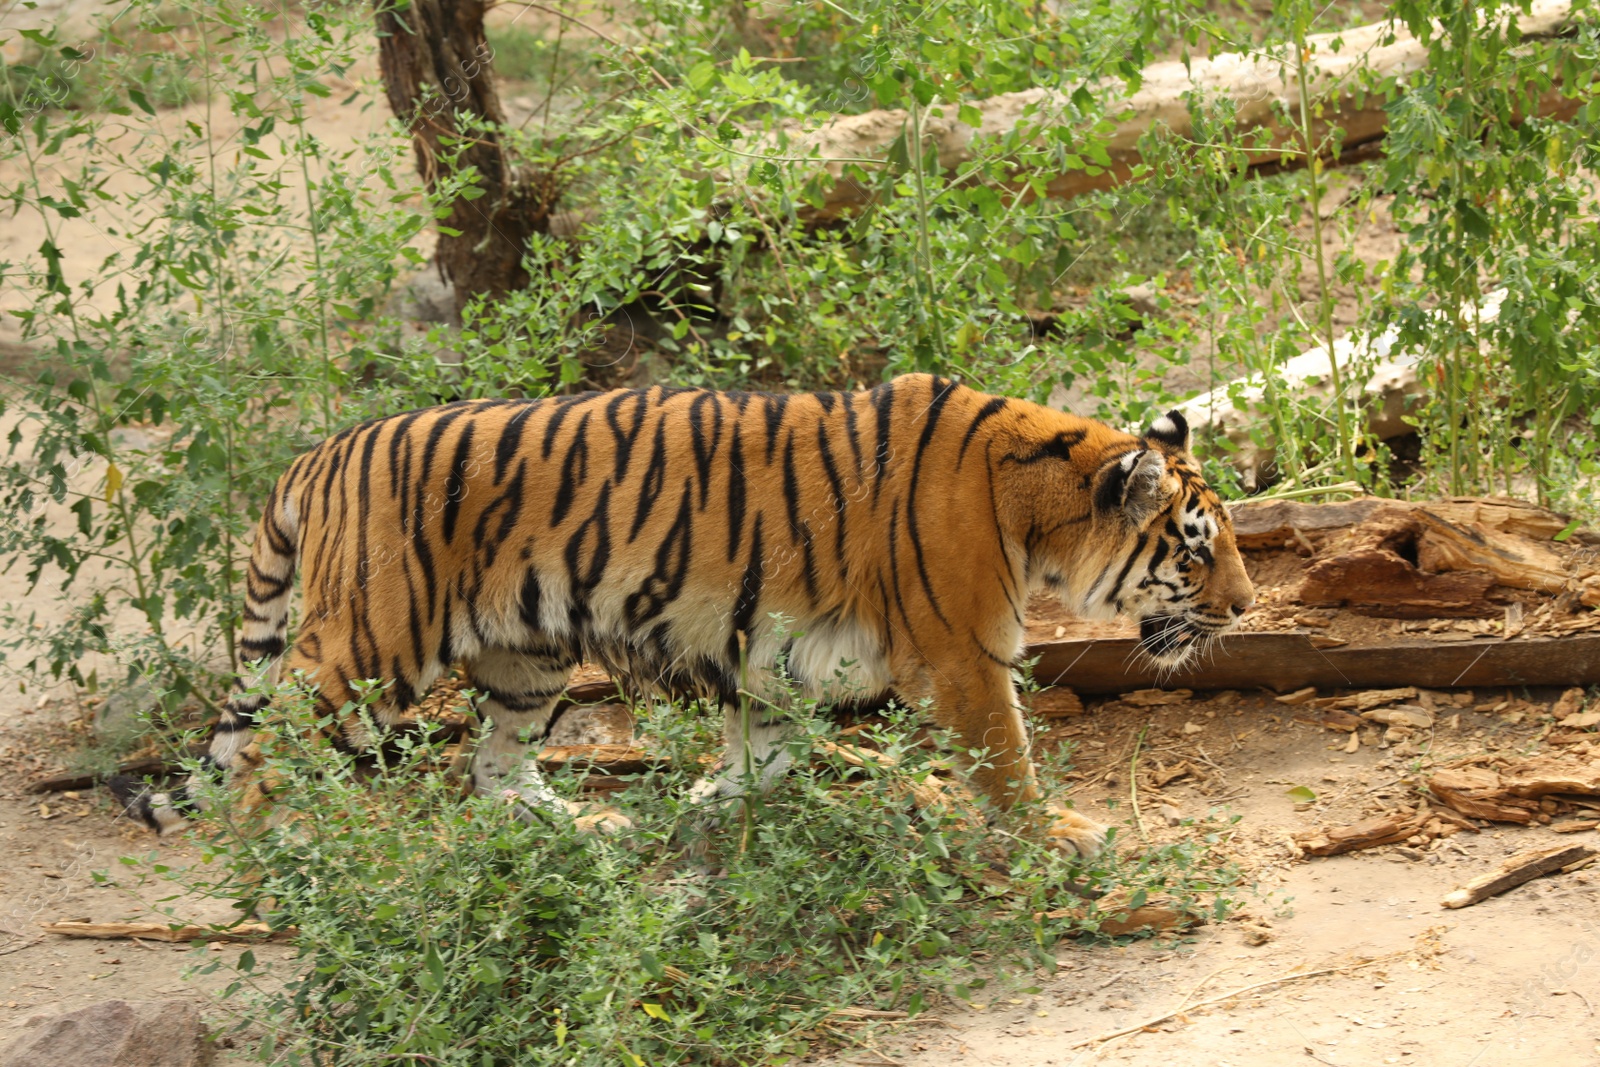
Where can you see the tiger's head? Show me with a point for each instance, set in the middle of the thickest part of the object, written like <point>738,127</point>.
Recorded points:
<point>1176,569</point>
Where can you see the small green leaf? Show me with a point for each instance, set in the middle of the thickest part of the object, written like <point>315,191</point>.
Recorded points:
<point>140,102</point>
<point>656,1011</point>
<point>1301,795</point>
<point>1571,528</point>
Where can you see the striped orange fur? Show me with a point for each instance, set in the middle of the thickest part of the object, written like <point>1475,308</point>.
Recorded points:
<point>880,540</point>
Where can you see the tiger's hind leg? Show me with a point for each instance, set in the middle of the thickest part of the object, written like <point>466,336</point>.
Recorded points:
<point>521,690</point>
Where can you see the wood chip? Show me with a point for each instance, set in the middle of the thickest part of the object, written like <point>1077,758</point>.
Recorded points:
<point>1153,698</point>
<point>1512,872</point>
<point>1409,715</point>
<point>1299,696</point>
<point>1574,826</point>
<point>1055,703</point>
<point>1369,699</point>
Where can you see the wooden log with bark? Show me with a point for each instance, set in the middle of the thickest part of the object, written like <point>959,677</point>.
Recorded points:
<point>1261,86</point>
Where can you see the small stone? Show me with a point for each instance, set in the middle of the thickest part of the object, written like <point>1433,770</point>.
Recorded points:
<point>1192,728</point>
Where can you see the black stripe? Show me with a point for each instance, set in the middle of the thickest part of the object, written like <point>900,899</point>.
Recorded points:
<point>993,407</point>
<point>455,483</point>
<point>564,405</point>
<point>672,566</point>
<point>510,441</point>
<point>705,450</point>
<point>736,492</point>
<point>749,598</point>
<point>883,403</point>
<point>836,486</point>
<point>574,471</point>
<point>941,394</point>
<point>623,439</point>
<point>799,529</point>
<point>585,579</point>
<point>655,478</point>
<point>1127,565</point>
<point>774,408</point>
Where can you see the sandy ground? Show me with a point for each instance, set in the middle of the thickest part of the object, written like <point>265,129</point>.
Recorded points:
<point>1512,980</point>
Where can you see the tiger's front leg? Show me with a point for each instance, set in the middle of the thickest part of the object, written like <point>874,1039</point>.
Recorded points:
<point>980,705</point>
<point>520,695</point>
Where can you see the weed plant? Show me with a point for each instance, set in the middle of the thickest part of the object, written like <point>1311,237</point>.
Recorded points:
<point>438,928</point>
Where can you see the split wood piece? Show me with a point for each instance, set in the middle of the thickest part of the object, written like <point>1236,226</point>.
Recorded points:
<point>1454,818</point>
<point>1574,826</point>
<point>1156,698</point>
<point>1523,867</point>
<point>1370,571</point>
<point>1518,562</point>
<point>1478,793</point>
<point>1283,662</point>
<point>600,759</point>
<point>1334,719</point>
<point>1369,833</point>
<point>1057,702</point>
<point>1371,698</point>
<point>1275,523</point>
<point>1155,914</point>
<point>139,768</point>
<point>1550,775</point>
<point>166,932</point>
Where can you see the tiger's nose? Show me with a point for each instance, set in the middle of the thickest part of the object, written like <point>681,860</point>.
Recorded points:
<point>1239,609</point>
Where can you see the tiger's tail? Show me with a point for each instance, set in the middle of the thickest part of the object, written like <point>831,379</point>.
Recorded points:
<point>269,585</point>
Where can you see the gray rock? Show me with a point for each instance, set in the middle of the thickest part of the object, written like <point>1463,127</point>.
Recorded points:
<point>113,1033</point>
<point>595,724</point>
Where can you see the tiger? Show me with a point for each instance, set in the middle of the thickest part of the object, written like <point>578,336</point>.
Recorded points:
<point>714,545</point>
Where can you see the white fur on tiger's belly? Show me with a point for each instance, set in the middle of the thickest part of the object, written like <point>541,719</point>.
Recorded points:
<point>838,660</point>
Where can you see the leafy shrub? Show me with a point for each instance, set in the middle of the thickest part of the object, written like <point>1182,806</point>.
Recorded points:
<point>435,926</point>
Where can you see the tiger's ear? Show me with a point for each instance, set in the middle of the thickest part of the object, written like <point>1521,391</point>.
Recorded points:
<point>1170,429</point>
<point>1133,485</point>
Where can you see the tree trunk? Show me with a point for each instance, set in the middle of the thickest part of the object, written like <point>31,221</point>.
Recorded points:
<point>437,70</point>
<point>1263,87</point>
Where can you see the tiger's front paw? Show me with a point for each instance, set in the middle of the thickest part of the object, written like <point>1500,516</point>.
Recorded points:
<point>603,821</point>
<point>1070,832</point>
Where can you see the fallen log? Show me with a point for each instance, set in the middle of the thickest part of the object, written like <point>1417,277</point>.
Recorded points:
<point>1288,661</point>
<point>1274,523</point>
<point>1523,867</point>
<point>1261,86</point>
<point>168,932</point>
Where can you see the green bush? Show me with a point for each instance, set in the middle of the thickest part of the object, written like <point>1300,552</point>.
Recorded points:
<point>435,926</point>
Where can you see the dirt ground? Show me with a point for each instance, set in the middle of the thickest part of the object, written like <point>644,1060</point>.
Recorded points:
<point>1391,976</point>
<point>1511,980</point>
